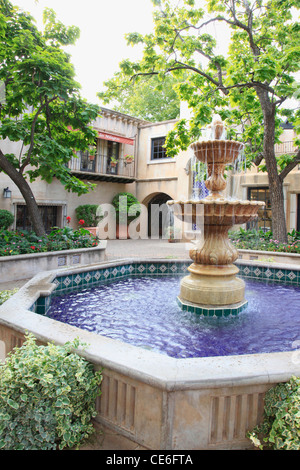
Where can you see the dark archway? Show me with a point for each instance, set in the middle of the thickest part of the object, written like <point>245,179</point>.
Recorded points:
<point>158,215</point>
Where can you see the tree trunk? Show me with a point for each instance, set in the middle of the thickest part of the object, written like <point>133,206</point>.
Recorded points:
<point>275,182</point>
<point>26,192</point>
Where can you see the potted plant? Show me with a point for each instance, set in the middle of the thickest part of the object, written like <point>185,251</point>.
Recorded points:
<point>88,216</point>
<point>122,203</point>
<point>173,234</point>
<point>92,153</point>
<point>128,158</point>
<point>113,161</point>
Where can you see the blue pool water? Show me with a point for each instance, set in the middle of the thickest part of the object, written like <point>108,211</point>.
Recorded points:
<point>143,312</point>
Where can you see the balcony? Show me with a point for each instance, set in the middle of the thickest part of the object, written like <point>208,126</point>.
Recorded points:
<point>102,169</point>
<point>286,148</point>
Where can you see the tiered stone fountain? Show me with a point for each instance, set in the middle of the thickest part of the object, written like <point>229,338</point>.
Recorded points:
<point>212,287</point>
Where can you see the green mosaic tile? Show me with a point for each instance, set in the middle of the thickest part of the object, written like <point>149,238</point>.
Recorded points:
<point>65,284</point>
<point>212,312</point>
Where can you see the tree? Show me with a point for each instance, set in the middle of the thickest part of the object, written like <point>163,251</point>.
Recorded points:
<point>247,87</point>
<point>43,109</point>
<point>152,99</point>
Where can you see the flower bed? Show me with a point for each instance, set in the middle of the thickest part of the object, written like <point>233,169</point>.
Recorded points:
<point>260,241</point>
<point>23,242</point>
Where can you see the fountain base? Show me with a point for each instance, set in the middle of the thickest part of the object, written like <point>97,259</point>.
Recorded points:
<point>212,310</point>
<point>209,288</point>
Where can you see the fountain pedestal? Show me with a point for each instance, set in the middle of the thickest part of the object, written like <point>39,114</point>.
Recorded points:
<point>213,288</point>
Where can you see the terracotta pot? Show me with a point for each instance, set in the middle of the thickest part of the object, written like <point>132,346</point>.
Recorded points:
<point>122,232</point>
<point>92,230</point>
<point>92,157</point>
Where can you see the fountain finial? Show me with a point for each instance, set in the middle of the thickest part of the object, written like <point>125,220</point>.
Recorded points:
<point>217,127</point>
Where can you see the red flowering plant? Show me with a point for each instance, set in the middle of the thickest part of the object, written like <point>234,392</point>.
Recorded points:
<point>68,219</point>
<point>25,242</point>
<point>88,215</point>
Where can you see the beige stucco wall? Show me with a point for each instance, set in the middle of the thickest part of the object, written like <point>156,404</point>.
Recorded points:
<point>160,176</point>
<point>169,176</point>
<point>240,183</point>
<point>55,194</point>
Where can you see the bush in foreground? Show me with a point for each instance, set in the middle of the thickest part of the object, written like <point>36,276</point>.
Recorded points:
<point>6,294</point>
<point>47,397</point>
<point>281,424</point>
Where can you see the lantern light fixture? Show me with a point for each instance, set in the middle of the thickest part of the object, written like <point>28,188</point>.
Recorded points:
<point>7,193</point>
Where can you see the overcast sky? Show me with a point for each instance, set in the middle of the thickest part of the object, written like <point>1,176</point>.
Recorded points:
<point>103,25</point>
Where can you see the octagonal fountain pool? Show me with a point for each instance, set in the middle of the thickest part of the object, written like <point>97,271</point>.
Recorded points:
<point>186,376</point>
<point>156,391</point>
<point>143,312</point>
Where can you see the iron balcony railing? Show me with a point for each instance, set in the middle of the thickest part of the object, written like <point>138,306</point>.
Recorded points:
<point>102,165</point>
<point>285,148</point>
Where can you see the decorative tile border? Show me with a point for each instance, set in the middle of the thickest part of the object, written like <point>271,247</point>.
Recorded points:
<point>276,275</point>
<point>223,311</point>
<point>111,273</point>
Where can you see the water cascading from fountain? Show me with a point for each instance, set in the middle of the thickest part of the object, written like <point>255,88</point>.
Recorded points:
<point>213,282</point>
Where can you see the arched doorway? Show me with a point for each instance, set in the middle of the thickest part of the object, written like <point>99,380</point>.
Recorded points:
<point>159,215</point>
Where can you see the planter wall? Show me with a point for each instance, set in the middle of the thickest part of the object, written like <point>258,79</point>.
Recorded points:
<point>14,268</point>
<point>270,256</point>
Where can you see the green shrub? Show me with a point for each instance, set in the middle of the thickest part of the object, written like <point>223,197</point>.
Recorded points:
<point>88,213</point>
<point>23,242</point>
<point>47,397</point>
<point>126,203</point>
<point>281,424</point>
<point>6,294</point>
<point>6,219</point>
<point>264,241</point>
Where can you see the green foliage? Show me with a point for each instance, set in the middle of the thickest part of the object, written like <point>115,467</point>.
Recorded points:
<point>151,98</point>
<point>6,219</point>
<point>259,67</point>
<point>127,207</point>
<point>6,294</point>
<point>90,213</point>
<point>43,108</point>
<point>47,397</point>
<point>280,427</point>
<point>23,242</point>
<point>264,241</point>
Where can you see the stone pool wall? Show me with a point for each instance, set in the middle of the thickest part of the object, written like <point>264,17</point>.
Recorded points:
<point>158,401</point>
<point>13,268</point>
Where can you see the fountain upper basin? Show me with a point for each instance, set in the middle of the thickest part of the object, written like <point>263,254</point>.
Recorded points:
<point>214,211</point>
<point>217,151</point>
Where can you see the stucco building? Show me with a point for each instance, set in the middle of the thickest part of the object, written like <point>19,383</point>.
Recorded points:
<point>151,177</point>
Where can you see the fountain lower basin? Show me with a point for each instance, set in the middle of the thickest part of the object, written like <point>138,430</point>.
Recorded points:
<point>121,310</point>
<point>158,401</point>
